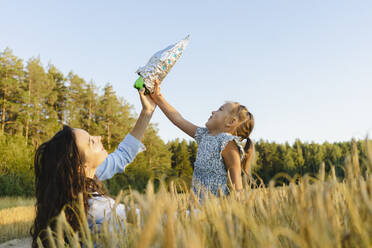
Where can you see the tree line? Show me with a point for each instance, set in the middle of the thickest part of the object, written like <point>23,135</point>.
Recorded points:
<point>36,100</point>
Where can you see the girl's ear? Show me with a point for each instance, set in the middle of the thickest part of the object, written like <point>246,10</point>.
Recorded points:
<point>232,122</point>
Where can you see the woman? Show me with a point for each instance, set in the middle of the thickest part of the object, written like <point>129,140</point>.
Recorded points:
<point>74,162</point>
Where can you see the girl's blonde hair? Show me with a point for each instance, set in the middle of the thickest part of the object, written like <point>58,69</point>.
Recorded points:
<point>243,130</point>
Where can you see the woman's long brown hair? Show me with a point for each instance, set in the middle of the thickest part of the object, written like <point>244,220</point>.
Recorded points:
<point>59,178</point>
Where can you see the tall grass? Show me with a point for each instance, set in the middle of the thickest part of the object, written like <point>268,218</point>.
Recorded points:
<point>16,222</point>
<point>9,202</point>
<point>309,212</point>
<point>316,211</point>
<point>16,217</point>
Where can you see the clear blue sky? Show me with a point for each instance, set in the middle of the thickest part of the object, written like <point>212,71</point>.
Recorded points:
<point>303,68</point>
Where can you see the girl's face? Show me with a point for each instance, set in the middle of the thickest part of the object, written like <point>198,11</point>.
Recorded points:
<point>91,147</point>
<point>219,118</point>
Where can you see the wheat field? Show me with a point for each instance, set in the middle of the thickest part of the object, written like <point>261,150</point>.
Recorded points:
<point>309,212</point>
<point>15,222</point>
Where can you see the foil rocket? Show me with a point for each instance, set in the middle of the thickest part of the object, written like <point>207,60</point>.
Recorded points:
<point>159,65</point>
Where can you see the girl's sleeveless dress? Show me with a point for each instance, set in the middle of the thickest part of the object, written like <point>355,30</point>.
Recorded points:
<point>210,174</point>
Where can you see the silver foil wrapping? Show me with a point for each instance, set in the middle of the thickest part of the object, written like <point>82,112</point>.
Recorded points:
<point>161,63</point>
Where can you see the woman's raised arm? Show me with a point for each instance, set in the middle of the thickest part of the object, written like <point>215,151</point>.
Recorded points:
<point>148,107</point>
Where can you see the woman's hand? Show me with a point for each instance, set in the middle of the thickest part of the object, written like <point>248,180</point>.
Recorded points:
<point>148,105</point>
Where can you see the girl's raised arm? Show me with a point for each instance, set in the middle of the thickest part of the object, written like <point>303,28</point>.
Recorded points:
<point>173,115</point>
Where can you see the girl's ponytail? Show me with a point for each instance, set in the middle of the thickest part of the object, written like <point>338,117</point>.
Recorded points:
<point>244,130</point>
<point>248,156</point>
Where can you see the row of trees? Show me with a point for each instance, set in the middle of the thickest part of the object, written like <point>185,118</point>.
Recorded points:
<point>306,158</point>
<point>35,101</point>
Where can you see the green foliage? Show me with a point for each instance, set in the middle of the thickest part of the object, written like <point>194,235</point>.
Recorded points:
<point>306,158</point>
<point>114,117</point>
<point>16,173</point>
<point>193,149</point>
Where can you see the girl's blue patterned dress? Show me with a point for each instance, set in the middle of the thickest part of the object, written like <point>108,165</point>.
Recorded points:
<point>210,173</point>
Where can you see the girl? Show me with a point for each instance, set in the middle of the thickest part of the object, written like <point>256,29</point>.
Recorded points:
<point>220,152</point>
<point>73,162</point>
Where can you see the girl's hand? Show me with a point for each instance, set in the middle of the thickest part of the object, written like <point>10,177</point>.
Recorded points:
<point>148,105</point>
<point>156,95</point>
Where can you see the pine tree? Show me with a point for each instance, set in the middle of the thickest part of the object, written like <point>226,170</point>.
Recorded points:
<point>11,91</point>
<point>114,117</point>
<point>60,91</point>
<point>192,147</point>
<point>74,101</point>
<point>91,105</point>
<point>298,156</point>
<point>182,166</point>
<point>41,118</point>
